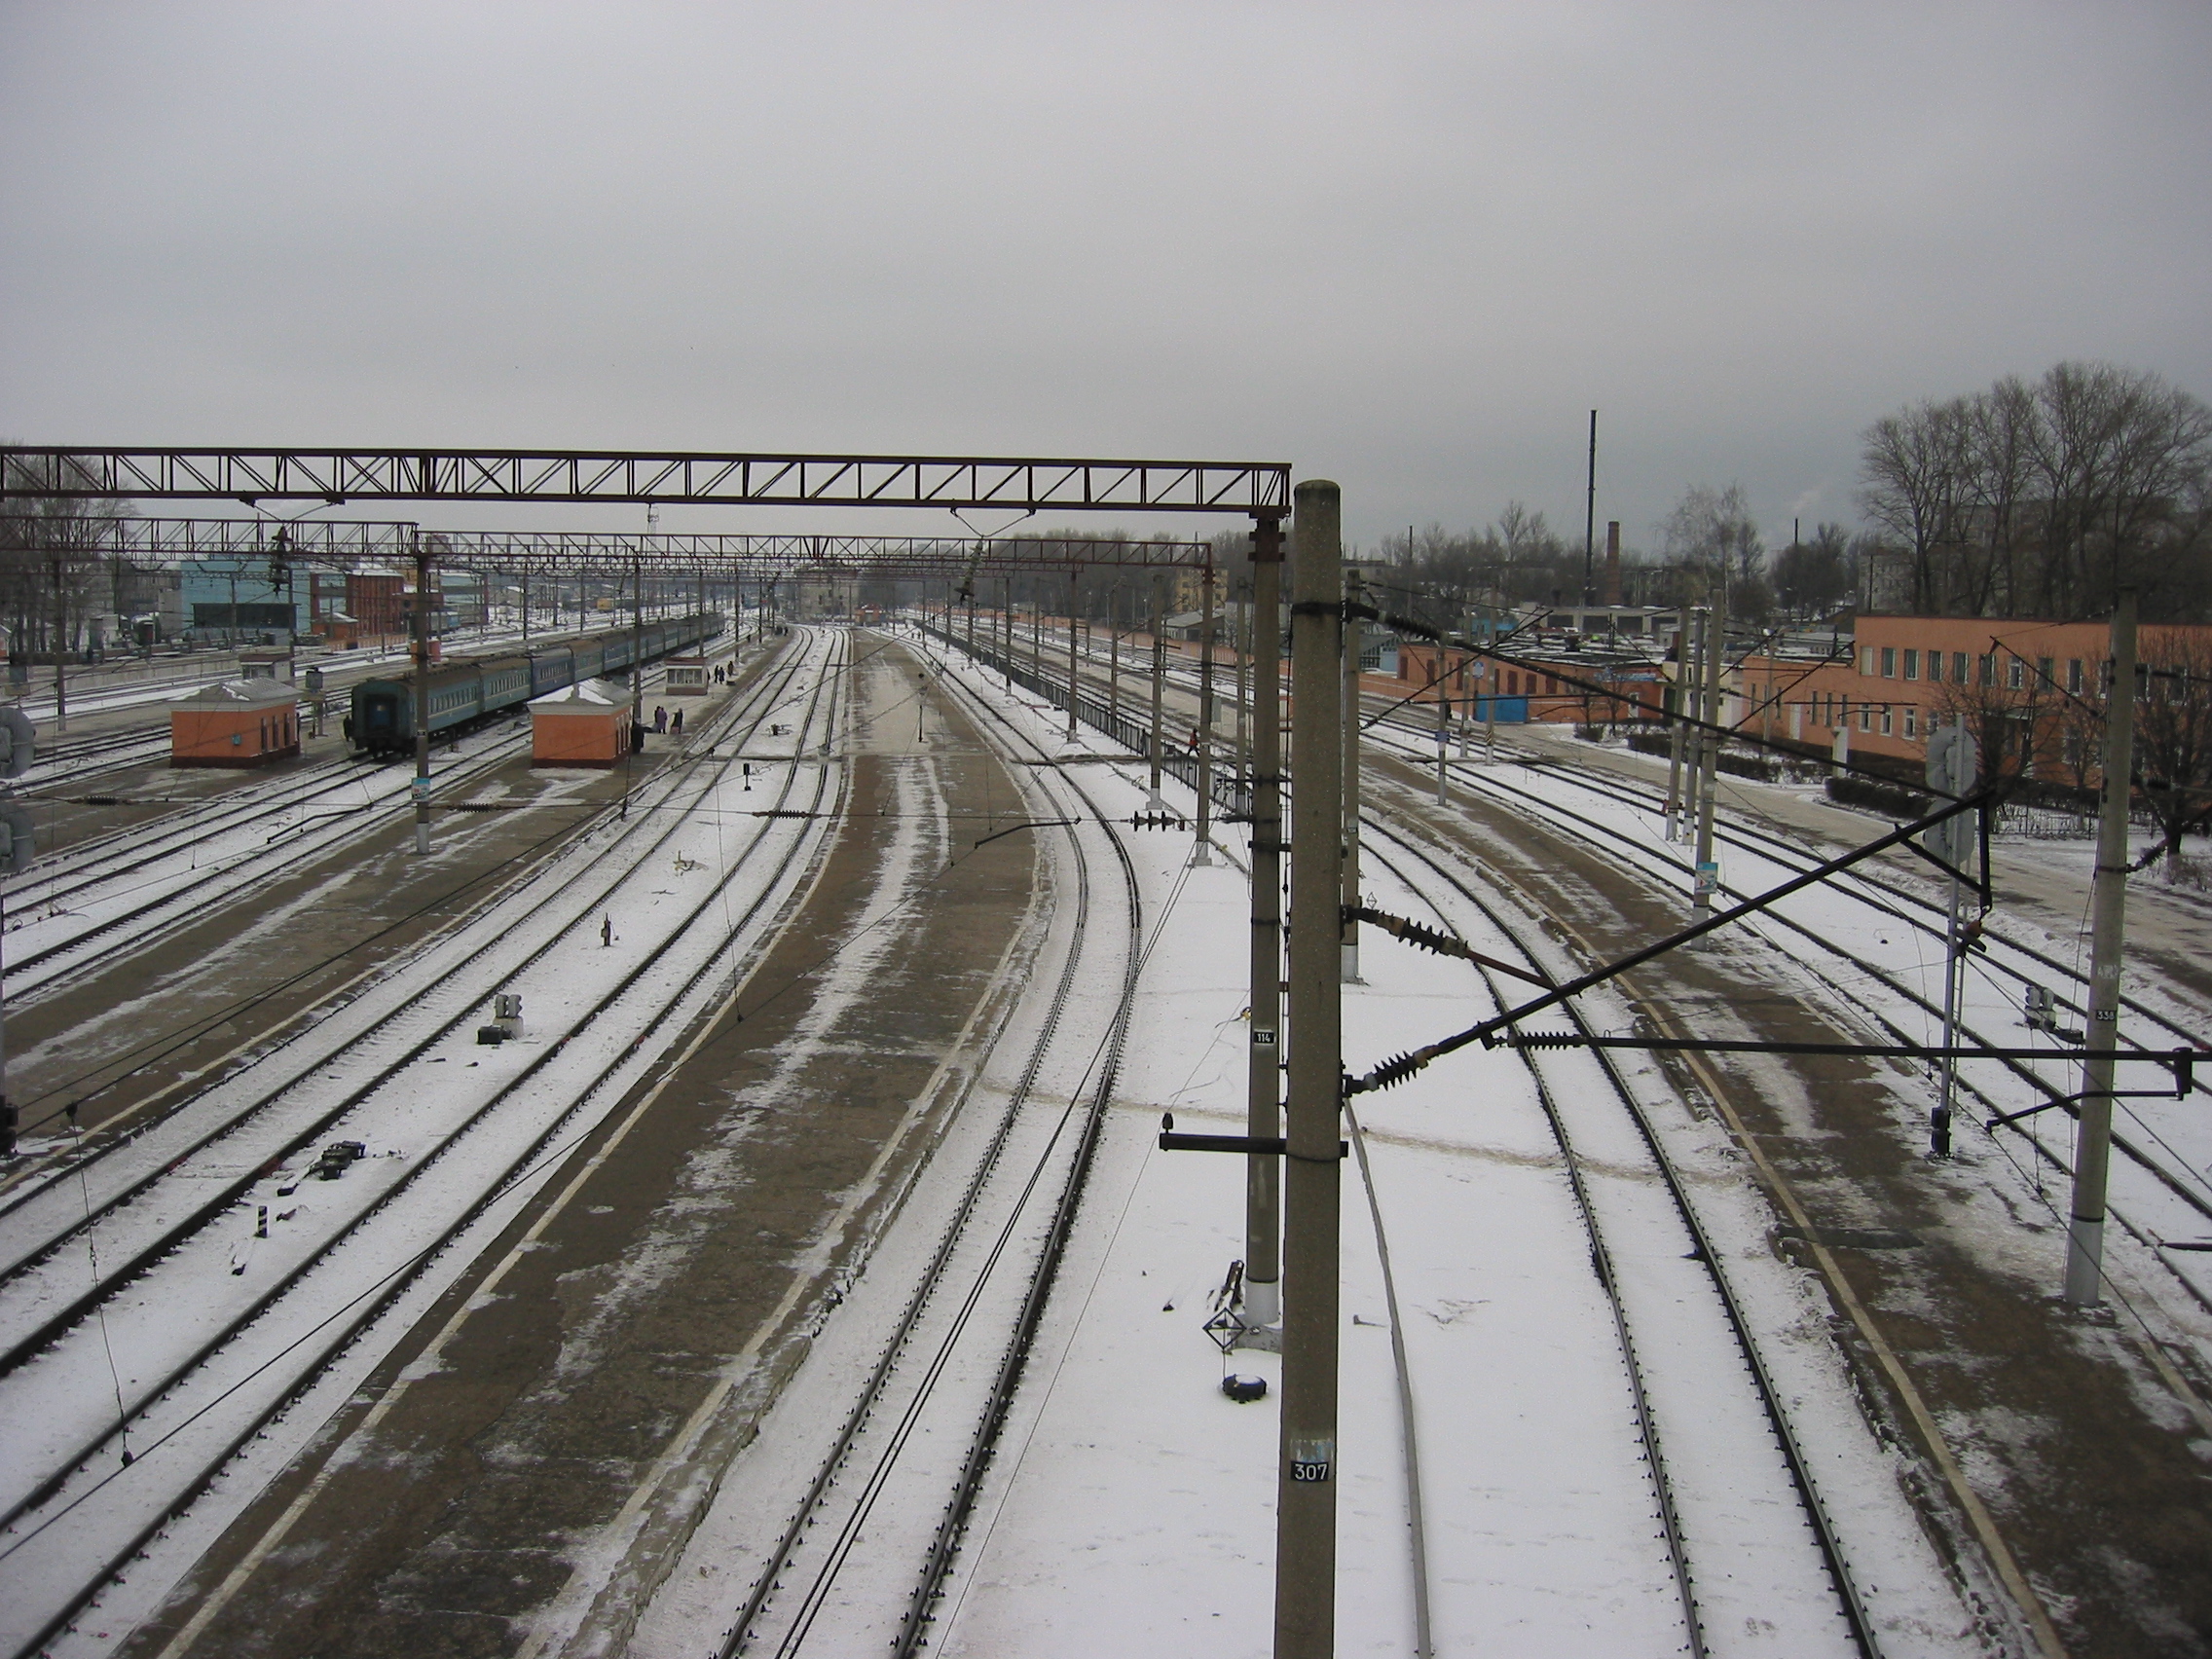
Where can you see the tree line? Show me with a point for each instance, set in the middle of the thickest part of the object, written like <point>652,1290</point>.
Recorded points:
<point>2040,498</point>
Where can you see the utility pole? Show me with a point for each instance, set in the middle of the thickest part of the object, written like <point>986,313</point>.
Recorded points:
<point>1686,682</point>
<point>1305,1497</point>
<point>1348,938</point>
<point>422,620</point>
<point>1443,733</point>
<point>1073,578</point>
<point>1262,1094</point>
<point>1113,661</point>
<point>1159,677</point>
<point>1199,852</point>
<point>1241,634</point>
<point>638,638</point>
<point>1709,751</point>
<point>1590,516</point>
<point>1951,767</point>
<point>61,643</point>
<point>2108,919</point>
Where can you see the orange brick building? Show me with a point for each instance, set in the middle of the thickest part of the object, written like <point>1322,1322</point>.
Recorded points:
<point>2020,684</point>
<point>234,722</point>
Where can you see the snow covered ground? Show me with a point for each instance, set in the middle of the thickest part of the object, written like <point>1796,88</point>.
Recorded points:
<point>1131,1507</point>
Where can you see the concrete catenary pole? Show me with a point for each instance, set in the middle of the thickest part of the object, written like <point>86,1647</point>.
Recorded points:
<point>1951,763</point>
<point>1348,938</point>
<point>421,621</point>
<point>1709,751</point>
<point>1263,1110</point>
<point>1198,853</point>
<point>1241,634</point>
<point>61,643</point>
<point>2108,919</point>
<point>1158,682</point>
<point>1306,1495</point>
<point>1678,738</point>
<point>1443,734</point>
<point>1074,680</point>
<point>1114,663</point>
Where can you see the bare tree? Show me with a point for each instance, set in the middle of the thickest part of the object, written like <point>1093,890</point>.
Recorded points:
<point>1811,578</point>
<point>2173,737</point>
<point>55,556</point>
<point>2045,497</point>
<point>1712,531</point>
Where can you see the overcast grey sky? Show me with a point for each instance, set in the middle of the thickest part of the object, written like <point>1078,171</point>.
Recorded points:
<point>1409,248</point>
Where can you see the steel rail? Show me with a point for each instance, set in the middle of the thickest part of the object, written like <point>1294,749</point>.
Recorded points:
<point>1045,1271</point>
<point>1850,1602</point>
<point>929,1284</point>
<point>389,1290</point>
<point>234,1190</point>
<point>763,696</point>
<point>1595,831</point>
<point>197,828</point>
<point>1604,835</point>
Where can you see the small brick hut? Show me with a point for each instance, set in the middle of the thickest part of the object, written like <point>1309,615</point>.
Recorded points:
<point>585,724</point>
<point>234,722</point>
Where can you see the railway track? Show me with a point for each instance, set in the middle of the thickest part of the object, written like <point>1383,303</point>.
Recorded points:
<point>214,1377</point>
<point>2162,1189</point>
<point>1719,1542</point>
<point>99,899</point>
<point>102,1176</point>
<point>1725,1557</point>
<point>2174,1159</point>
<point>926,1418</point>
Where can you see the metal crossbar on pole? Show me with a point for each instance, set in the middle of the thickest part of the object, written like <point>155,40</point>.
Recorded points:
<point>667,477</point>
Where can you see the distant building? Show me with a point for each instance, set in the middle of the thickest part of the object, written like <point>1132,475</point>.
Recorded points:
<point>226,598</point>
<point>2021,686</point>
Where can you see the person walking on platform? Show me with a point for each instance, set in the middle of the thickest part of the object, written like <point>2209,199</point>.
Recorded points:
<point>660,717</point>
<point>676,726</point>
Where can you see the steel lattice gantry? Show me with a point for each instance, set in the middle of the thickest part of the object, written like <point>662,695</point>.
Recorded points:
<point>346,544</point>
<point>672,477</point>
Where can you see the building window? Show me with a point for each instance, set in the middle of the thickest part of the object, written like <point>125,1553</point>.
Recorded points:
<point>2044,674</point>
<point>1958,668</point>
<point>1936,666</point>
<point>1888,662</point>
<point>1987,667</point>
<point>2073,674</point>
<point>1912,663</point>
<point>1911,720</point>
<point>1866,662</point>
<point>2015,674</point>
<point>1885,720</point>
<point>1865,716</point>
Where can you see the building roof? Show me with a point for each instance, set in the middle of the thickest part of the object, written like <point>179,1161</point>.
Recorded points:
<point>252,692</point>
<point>584,697</point>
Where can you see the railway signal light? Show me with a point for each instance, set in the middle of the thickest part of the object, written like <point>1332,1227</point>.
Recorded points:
<point>18,837</point>
<point>18,742</point>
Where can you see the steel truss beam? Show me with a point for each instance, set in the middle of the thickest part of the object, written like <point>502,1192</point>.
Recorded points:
<point>336,475</point>
<point>592,553</point>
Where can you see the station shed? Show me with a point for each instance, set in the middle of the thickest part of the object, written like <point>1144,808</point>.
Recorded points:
<point>265,663</point>
<point>690,676</point>
<point>234,722</point>
<point>585,724</point>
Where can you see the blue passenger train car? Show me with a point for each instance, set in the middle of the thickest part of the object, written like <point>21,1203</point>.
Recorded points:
<point>471,688</point>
